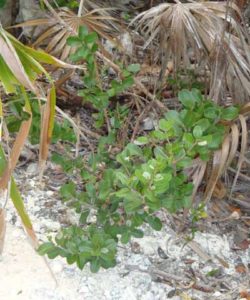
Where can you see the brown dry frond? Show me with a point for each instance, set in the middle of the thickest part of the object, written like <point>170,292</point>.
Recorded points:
<point>212,31</point>
<point>212,171</point>
<point>237,137</point>
<point>67,23</point>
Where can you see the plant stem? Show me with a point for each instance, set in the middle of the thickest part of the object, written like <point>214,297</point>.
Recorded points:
<point>79,14</point>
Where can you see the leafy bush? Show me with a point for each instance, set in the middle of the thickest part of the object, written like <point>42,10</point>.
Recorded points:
<point>94,91</point>
<point>124,191</point>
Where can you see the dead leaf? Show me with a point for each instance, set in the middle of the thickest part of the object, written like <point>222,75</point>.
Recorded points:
<point>219,190</point>
<point>11,58</point>
<point>240,268</point>
<point>245,295</point>
<point>244,245</point>
<point>15,152</point>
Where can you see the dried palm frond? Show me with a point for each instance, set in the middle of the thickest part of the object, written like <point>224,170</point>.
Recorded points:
<point>237,137</point>
<point>64,23</point>
<point>212,30</point>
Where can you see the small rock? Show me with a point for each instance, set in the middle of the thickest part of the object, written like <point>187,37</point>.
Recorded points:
<point>217,294</point>
<point>161,253</point>
<point>49,193</point>
<point>135,247</point>
<point>127,43</point>
<point>148,124</point>
<point>172,293</point>
<point>52,226</point>
<point>32,169</point>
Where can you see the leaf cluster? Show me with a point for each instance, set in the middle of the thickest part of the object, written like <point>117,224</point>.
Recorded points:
<point>127,190</point>
<point>94,90</point>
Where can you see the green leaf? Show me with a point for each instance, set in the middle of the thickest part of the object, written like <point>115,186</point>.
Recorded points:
<point>73,41</point>
<point>90,189</point>
<point>211,113</point>
<point>133,149</point>
<point>91,38</point>
<point>2,3</point>
<point>188,139</point>
<point>127,82</point>
<point>142,140</point>
<point>204,124</point>
<point>216,141</point>
<point>185,162</point>
<point>197,96</point>
<point>131,205</point>
<point>154,222</point>
<point>165,125</point>
<point>134,68</point>
<point>174,116</point>
<point>53,253</point>
<point>111,92</point>
<point>197,131</point>
<point>126,236</point>
<point>160,153</point>
<point>161,182</point>
<point>94,266</point>
<point>213,272</point>
<point>68,191</point>
<point>45,248</point>
<point>187,98</point>
<point>123,178</point>
<point>137,233</point>
<point>229,113</point>
<point>71,259</point>
<point>83,32</point>
<point>84,216</point>
<point>132,199</point>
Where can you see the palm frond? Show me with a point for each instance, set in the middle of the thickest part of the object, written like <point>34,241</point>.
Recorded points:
<point>211,29</point>
<point>67,23</point>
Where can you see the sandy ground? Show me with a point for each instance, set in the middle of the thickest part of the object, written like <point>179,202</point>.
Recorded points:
<point>24,274</point>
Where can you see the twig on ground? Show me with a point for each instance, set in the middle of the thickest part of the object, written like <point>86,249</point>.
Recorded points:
<point>242,176</point>
<point>197,249</point>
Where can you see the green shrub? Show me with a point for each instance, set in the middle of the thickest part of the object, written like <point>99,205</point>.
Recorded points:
<point>127,190</point>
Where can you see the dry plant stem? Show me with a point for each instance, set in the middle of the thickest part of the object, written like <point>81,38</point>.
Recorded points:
<point>244,141</point>
<point>6,192</point>
<point>60,20</point>
<point>77,135</point>
<point>167,276</point>
<point>243,176</point>
<point>80,8</point>
<point>220,64</point>
<point>78,131</point>
<point>93,134</point>
<point>64,78</point>
<point>139,119</point>
<point>107,120</point>
<point>195,247</point>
